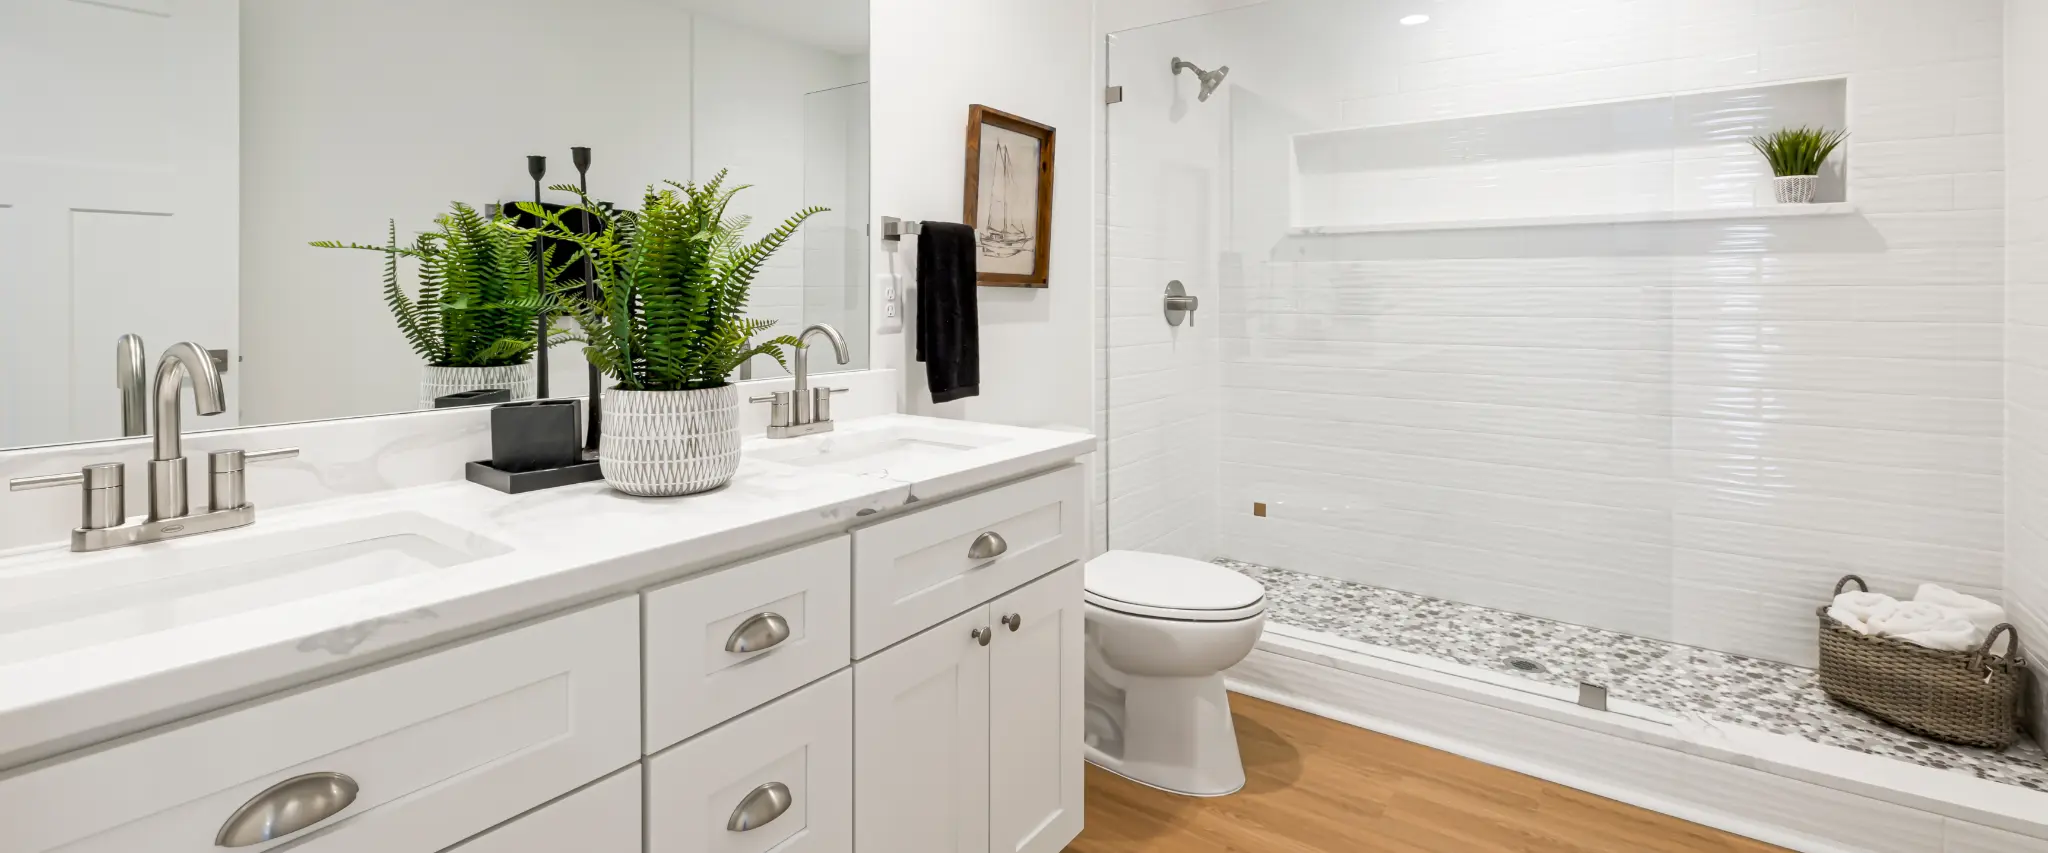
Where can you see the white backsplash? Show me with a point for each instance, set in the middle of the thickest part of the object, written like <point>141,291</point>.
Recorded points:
<point>336,458</point>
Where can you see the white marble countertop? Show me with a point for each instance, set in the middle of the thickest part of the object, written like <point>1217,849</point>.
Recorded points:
<point>561,548</point>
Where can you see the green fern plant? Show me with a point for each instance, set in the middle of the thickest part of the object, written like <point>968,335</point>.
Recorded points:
<point>479,304</point>
<point>1798,151</point>
<point>673,279</point>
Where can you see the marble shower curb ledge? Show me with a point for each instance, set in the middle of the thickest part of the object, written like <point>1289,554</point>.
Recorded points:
<point>1660,681</point>
<point>1628,760</point>
<point>1780,789</point>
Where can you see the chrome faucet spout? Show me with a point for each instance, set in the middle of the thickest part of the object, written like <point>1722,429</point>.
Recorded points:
<point>168,497</point>
<point>209,396</point>
<point>803,361</point>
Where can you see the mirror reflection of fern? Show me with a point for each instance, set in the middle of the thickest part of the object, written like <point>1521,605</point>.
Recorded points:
<point>673,279</point>
<point>478,303</point>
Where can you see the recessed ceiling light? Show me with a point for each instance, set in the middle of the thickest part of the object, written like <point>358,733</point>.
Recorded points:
<point>1412,20</point>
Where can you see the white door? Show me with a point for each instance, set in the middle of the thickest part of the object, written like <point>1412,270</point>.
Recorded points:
<point>1035,764</point>
<point>920,732</point>
<point>119,200</point>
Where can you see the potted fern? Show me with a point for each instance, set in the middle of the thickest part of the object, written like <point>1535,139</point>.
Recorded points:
<point>668,328</point>
<point>473,321</point>
<point>1796,156</point>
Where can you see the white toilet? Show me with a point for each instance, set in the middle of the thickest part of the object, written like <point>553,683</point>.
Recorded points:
<point>1161,631</point>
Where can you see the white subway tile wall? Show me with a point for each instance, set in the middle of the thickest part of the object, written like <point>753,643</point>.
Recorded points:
<point>2026,536</point>
<point>1687,431</point>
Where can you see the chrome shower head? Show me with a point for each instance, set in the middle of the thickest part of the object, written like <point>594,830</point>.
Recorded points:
<point>1210,79</point>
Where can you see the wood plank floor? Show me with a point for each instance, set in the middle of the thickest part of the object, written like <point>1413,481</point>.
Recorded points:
<point>1319,786</point>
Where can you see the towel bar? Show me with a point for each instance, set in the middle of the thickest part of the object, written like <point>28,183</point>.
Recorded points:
<point>894,230</point>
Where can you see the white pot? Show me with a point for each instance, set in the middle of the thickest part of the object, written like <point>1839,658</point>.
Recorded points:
<point>442,381</point>
<point>666,443</point>
<point>1797,189</point>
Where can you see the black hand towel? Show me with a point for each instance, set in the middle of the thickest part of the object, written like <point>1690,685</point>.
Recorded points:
<point>948,324</point>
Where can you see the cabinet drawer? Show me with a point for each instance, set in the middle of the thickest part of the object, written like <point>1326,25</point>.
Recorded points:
<point>439,748</point>
<point>913,572</point>
<point>802,742</point>
<point>694,682</point>
<point>603,818</point>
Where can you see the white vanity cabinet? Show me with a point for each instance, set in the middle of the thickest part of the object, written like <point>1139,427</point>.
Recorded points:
<point>603,818</point>
<point>968,736</point>
<point>436,748</point>
<point>909,685</point>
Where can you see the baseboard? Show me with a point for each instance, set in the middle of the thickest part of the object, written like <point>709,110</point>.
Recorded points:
<point>1704,774</point>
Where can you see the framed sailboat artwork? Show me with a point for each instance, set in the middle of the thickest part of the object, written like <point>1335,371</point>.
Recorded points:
<point>1009,196</point>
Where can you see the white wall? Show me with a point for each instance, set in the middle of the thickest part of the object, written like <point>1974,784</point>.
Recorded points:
<point>931,60</point>
<point>1683,432</point>
<point>2026,448</point>
<point>749,117</point>
<point>361,112</point>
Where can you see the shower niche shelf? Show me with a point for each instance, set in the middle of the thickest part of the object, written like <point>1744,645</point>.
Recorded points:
<point>1670,158</point>
<point>1770,211</point>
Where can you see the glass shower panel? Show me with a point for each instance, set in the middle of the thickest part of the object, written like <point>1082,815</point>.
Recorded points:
<point>1426,394</point>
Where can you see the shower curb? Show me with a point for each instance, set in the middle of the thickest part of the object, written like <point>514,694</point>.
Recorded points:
<point>1774,788</point>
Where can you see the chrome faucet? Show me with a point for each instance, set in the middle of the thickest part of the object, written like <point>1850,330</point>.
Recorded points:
<point>103,519</point>
<point>167,494</point>
<point>128,366</point>
<point>804,410</point>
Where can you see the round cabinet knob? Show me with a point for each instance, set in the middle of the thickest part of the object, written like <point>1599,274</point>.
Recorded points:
<point>760,807</point>
<point>287,807</point>
<point>761,631</point>
<point>983,635</point>
<point>1014,621</point>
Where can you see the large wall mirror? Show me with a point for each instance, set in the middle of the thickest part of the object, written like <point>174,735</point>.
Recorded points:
<point>167,164</point>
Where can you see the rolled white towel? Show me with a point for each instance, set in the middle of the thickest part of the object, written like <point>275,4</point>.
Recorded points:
<point>1953,634</point>
<point>1854,622</point>
<point>1857,609</point>
<point>1908,618</point>
<point>1983,614</point>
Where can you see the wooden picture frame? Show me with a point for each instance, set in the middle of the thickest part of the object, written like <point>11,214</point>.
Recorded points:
<point>1016,243</point>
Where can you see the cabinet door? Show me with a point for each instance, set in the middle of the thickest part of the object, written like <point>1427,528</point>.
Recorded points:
<point>603,818</point>
<point>1035,763</point>
<point>920,713</point>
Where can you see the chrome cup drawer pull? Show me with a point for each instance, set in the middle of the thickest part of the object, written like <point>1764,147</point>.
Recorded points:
<point>988,546</point>
<point>760,631</point>
<point>760,808</point>
<point>287,807</point>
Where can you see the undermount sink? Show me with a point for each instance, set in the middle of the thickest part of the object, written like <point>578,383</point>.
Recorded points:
<point>72,601</point>
<point>902,451</point>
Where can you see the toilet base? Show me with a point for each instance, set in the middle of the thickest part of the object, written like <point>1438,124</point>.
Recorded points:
<point>1173,734</point>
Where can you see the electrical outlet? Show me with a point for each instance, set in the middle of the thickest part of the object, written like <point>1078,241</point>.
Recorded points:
<point>892,306</point>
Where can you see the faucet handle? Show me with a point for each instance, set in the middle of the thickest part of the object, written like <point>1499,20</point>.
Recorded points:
<point>105,502</point>
<point>821,403</point>
<point>781,405</point>
<point>226,485</point>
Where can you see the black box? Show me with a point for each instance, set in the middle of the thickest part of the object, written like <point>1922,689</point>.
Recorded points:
<point>535,436</point>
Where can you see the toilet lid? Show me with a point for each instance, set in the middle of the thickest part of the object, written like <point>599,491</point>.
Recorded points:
<point>1157,582</point>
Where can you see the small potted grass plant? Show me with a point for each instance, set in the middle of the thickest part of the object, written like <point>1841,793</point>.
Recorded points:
<point>1796,156</point>
<point>668,328</point>
<point>474,320</point>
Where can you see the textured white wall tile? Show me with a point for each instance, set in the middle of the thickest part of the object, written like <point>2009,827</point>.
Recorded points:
<point>1683,432</point>
<point>2026,190</point>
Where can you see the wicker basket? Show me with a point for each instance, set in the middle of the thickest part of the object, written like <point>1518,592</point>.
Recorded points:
<point>1970,698</point>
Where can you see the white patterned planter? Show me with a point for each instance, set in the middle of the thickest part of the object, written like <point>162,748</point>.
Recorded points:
<point>666,443</point>
<point>442,381</point>
<point>1797,189</point>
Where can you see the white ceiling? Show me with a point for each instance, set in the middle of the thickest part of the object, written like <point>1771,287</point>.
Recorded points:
<point>840,26</point>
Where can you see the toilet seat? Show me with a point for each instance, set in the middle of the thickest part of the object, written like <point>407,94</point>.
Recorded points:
<point>1158,586</point>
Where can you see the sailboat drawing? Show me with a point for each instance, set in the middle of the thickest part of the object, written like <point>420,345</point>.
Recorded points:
<point>1002,235</point>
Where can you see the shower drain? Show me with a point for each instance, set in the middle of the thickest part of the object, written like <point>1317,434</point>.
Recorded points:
<point>1525,665</point>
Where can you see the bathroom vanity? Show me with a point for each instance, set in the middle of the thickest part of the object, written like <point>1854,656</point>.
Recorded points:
<point>871,640</point>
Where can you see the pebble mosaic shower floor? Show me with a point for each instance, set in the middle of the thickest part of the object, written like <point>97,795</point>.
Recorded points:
<point>1774,697</point>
